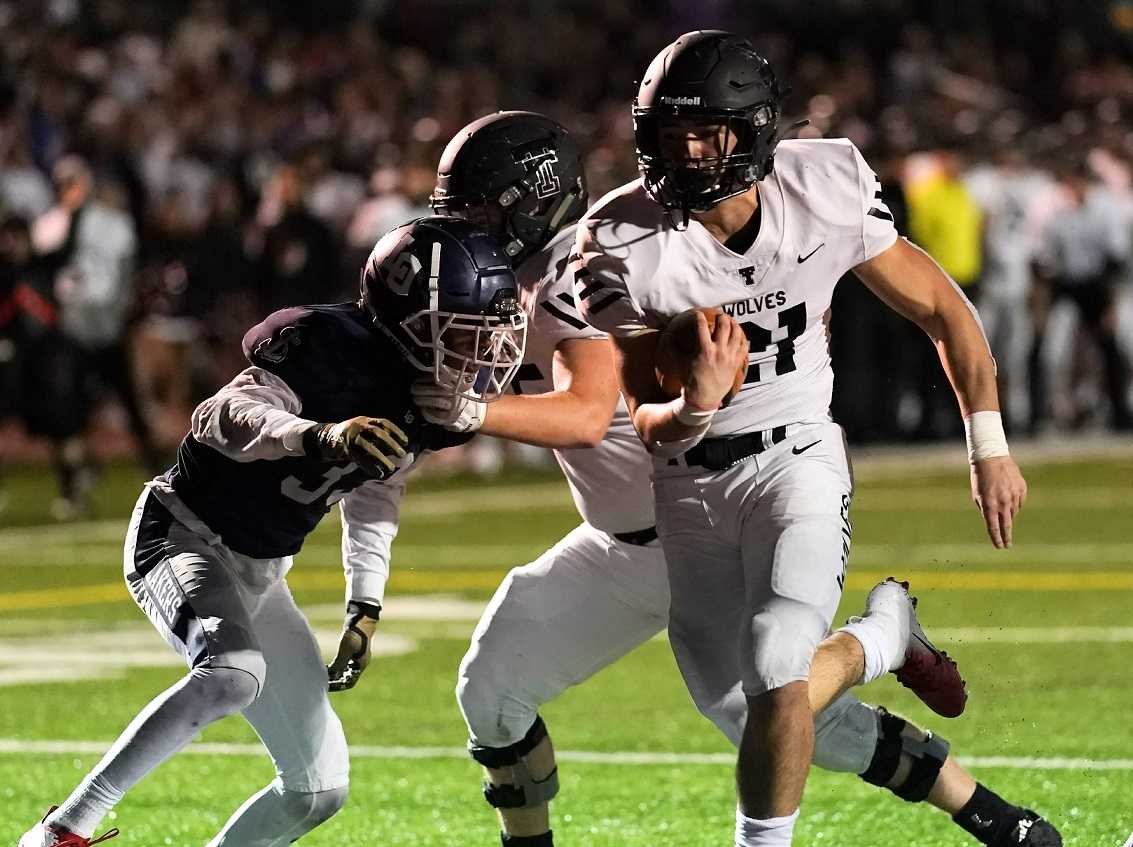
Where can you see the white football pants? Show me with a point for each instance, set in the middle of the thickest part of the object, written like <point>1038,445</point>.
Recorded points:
<point>228,613</point>
<point>578,608</point>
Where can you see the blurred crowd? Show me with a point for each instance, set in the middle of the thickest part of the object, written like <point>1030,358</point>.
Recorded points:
<point>169,173</point>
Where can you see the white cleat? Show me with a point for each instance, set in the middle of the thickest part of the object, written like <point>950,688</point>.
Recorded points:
<point>926,671</point>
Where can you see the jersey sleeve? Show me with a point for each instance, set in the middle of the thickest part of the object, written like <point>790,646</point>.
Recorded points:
<point>255,416</point>
<point>555,315</point>
<point>878,230</point>
<point>601,287</point>
<point>370,515</point>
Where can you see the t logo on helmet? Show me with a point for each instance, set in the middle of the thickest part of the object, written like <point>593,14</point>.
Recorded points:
<point>546,180</point>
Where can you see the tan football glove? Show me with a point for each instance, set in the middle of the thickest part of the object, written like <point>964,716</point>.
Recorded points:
<point>374,444</point>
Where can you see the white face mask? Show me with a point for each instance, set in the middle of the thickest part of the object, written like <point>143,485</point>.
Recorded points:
<point>474,356</point>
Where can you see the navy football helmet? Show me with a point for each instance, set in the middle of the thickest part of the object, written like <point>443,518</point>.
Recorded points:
<point>517,174</point>
<point>706,79</point>
<point>444,293</point>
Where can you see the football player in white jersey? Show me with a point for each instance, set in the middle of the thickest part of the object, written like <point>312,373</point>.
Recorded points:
<point>752,496</point>
<point>603,590</point>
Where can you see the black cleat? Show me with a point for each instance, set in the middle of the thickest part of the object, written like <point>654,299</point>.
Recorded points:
<point>1032,831</point>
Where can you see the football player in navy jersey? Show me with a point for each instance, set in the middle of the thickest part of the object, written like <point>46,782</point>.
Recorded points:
<point>323,414</point>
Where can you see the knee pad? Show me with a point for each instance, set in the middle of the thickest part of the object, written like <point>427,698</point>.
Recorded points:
<point>728,713</point>
<point>845,735</point>
<point>524,791</point>
<point>220,644</point>
<point>784,636</point>
<point>309,809</point>
<point>907,760</point>
<point>493,718</point>
<point>223,691</point>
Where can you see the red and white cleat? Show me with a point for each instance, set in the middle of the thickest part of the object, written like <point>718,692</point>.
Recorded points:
<point>930,673</point>
<point>48,835</point>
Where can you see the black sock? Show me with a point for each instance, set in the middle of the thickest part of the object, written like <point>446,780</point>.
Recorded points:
<point>543,840</point>
<point>987,816</point>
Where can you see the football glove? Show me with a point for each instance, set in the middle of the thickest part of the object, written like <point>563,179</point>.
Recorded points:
<point>372,443</point>
<point>354,646</point>
<point>440,406</point>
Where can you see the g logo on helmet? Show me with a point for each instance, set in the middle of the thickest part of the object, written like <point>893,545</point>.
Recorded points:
<point>400,273</point>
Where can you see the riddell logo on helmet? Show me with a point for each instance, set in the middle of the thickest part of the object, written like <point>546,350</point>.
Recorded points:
<point>680,101</point>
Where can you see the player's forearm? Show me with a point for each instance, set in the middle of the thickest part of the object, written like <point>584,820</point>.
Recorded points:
<point>366,573</point>
<point>247,430</point>
<point>912,284</point>
<point>968,362</point>
<point>670,428</point>
<point>558,419</point>
<point>253,417</point>
<point>370,517</point>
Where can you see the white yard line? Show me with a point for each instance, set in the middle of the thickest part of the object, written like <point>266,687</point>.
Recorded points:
<point>15,746</point>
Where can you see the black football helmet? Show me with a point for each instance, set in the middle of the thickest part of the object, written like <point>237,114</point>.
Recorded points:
<point>444,293</point>
<point>518,174</point>
<point>706,78</point>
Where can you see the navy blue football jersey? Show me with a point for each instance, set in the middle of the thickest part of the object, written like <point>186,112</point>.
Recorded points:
<point>340,368</point>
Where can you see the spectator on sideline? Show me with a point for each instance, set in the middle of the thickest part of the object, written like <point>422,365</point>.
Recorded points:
<point>94,244</point>
<point>1084,255</point>
<point>41,372</point>
<point>946,222</point>
<point>1007,189</point>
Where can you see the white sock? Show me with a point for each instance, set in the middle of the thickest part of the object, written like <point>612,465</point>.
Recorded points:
<point>169,722</point>
<point>883,633</point>
<point>772,832</point>
<point>87,806</point>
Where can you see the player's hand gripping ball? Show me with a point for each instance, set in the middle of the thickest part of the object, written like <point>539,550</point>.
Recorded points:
<point>679,344</point>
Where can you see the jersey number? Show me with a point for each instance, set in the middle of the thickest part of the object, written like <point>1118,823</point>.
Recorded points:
<point>794,321</point>
<point>296,489</point>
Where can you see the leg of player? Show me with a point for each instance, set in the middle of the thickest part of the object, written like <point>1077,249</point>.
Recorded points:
<point>554,623</point>
<point>294,719</point>
<point>194,603</point>
<point>917,765</point>
<point>887,637</point>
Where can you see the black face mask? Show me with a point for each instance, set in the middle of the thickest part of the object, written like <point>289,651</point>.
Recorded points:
<point>681,183</point>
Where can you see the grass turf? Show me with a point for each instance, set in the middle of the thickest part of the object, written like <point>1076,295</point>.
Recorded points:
<point>1043,697</point>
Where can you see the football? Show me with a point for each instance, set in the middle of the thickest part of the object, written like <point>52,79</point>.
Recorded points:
<point>677,347</point>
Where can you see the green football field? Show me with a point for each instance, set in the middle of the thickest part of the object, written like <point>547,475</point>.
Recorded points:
<point>1041,632</point>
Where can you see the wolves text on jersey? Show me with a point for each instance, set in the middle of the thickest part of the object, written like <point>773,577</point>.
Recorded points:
<point>755,305</point>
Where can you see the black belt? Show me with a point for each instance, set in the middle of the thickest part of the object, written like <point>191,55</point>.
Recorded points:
<point>639,538</point>
<point>717,454</point>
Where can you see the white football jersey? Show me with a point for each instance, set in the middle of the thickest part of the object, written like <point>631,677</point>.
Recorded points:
<point>610,482</point>
<point>821,215</point>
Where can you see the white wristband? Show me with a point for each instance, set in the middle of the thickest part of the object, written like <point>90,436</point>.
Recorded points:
<point>689,415</point>
<point>986,439</point>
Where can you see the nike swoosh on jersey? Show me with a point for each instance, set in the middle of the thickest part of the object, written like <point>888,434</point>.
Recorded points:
<point>803,258</point>
<point>798,450</point>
